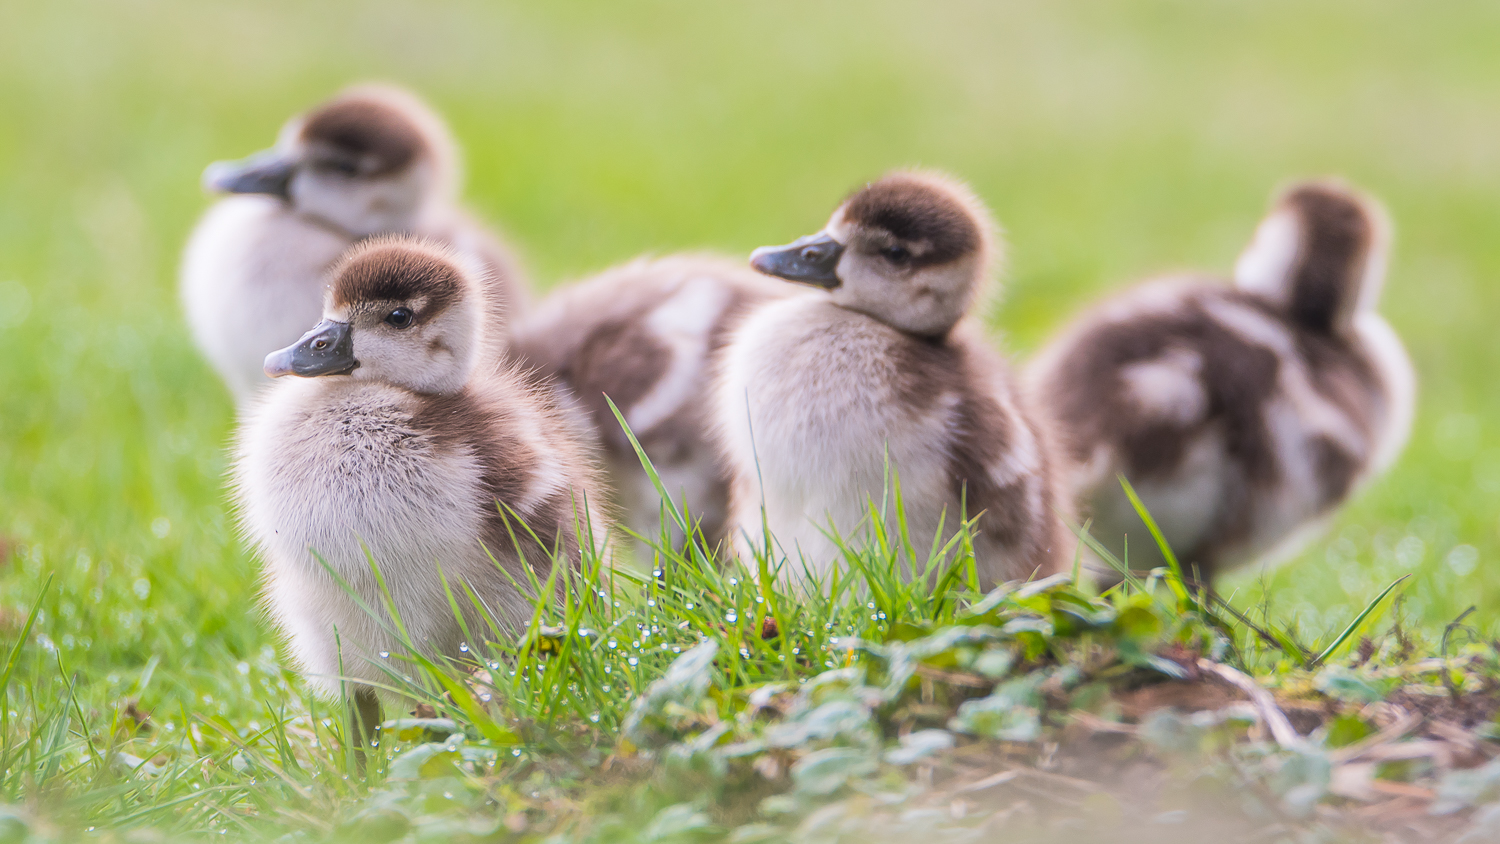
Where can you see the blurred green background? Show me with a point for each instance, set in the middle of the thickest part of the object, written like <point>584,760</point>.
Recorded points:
<point>1114,140</point>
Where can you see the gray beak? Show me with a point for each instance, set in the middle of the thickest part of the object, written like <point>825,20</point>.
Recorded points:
<point>812,259</point>
<point>328,349</point>
<point>268,172</point>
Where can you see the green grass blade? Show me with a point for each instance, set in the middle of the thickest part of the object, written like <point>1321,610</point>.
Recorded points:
<point>1269,633</point>
<point>15,650</point>
<point>661,489</point>
<point>1177,583</point>
<point>1078,553</point>
<point>1358,620</point>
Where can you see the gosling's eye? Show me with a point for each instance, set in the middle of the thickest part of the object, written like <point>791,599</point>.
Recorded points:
<point>400,318</point>
<point>341,166</point>
<point>896,254</point>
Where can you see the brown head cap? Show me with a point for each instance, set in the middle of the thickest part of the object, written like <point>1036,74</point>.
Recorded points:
<point>397,269</point>
<point>1342,232</point>
<point>938,219</point>
<point>379,128</point>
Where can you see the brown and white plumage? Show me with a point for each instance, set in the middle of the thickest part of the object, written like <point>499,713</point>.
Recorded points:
<point>644,335</point>
<point>1241,414</point>
<point>816,391</point>
<point>372,160</point>
<point>402,440</point>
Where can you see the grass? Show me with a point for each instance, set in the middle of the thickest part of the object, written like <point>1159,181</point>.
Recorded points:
<point>1113,141</point>
<point>693,703</point>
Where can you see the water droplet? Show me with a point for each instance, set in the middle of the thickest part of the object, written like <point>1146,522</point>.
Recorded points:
<point>612,644</point>
<point>731,617</point>
<point>463,647</point>
<point>515,751</point>
<point>385,654</point>
<point>633,661</point>
<point>689,605</point>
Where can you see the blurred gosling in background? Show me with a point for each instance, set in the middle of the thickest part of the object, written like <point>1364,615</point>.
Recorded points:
<point>817,390</point>
<point>1241,415</point>
<point>372,160</point>
<point>644,334</point>
<point>398,438</point>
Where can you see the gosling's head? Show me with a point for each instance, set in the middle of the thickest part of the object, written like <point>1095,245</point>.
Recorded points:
<point>912,250</point>
<point>1320,254</point>
<point>370,160</point>
<point>398,311</point>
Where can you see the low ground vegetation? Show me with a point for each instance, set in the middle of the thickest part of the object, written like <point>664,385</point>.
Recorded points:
<point>694,703</point>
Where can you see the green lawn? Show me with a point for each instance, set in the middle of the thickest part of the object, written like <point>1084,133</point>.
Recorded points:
<point>1113,140</point>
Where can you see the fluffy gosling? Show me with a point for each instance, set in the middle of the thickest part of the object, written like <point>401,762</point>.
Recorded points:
<point>400,440</point>
<point>1243,415</point>
<point>816,391</point>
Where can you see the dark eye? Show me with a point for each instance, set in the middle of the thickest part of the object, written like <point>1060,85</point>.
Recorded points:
<point>400,318</point>
<point>896,254</point>
<point>341,166</point>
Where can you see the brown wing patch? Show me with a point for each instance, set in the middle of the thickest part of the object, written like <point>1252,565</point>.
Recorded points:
<point>1336,470</point>
<point>367,130</point>
<point>923,369</point>
<point>623,360</point>
<point>1237,376</point>
<point>1016,515</point>
<point>460,421</point>
<point>983,434</point>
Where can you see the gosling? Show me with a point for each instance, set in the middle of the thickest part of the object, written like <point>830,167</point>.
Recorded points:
<point>819,393</point>
<point>397,439</point>
<point>644,335</point>
<point>1242,415</point>
<point>372,160</point>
